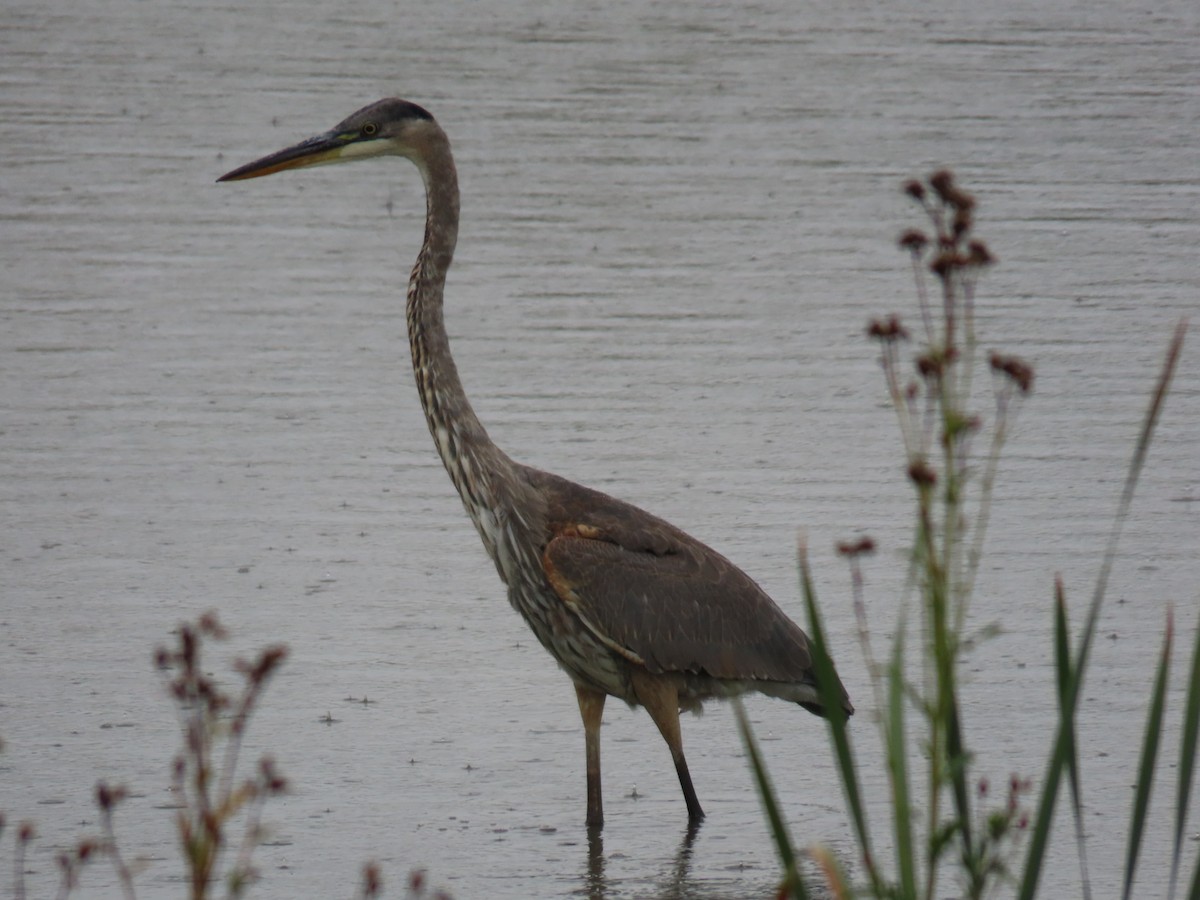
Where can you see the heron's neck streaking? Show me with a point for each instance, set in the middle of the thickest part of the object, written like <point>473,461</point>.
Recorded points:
<point>478,468</point>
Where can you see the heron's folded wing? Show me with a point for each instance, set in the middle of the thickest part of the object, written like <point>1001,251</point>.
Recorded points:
<point>685,611</point>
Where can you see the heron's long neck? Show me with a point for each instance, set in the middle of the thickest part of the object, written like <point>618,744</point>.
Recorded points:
<point>478,468</point>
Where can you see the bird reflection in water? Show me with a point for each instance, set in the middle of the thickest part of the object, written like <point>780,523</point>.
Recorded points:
<point>678,884</point>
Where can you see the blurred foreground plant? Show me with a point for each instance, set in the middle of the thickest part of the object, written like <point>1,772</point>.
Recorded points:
<point>959,827</point>
<point>212,799</point>
<point>204,774</point>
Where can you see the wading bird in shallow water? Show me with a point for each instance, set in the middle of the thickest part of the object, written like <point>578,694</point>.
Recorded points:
<point>629,605</point>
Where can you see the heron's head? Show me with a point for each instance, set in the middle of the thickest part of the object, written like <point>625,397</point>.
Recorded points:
<point>391,127</point>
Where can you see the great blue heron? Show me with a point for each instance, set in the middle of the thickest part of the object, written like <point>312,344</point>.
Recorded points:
<point>629,605</point>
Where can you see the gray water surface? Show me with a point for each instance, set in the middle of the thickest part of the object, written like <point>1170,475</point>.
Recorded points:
<point>677,220</point>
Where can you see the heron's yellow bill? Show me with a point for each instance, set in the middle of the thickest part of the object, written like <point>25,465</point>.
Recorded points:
<point>321,150</point>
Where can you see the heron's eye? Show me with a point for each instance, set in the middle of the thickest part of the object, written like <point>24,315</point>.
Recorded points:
<point>370,129</point>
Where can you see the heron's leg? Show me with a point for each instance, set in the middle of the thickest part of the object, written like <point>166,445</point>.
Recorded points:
<point>660,696</point>
<point>591,707</point>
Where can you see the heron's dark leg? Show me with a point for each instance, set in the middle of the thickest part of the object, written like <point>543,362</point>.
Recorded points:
<point>660,696</point>
<point>591,707</point>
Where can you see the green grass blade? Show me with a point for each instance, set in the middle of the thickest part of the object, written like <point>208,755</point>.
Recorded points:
<point>1136,464</point>
<point>1187,759</point>
<point>1070,693</point>
<point>1039,837</point>
<point>836,717</point>
<point>779,831</point>
<point>1062,658</point>
<point>1145,782</point>
<point>897,758</point>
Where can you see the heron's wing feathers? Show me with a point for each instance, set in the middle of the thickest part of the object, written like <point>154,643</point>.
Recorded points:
<point>668,602</point>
